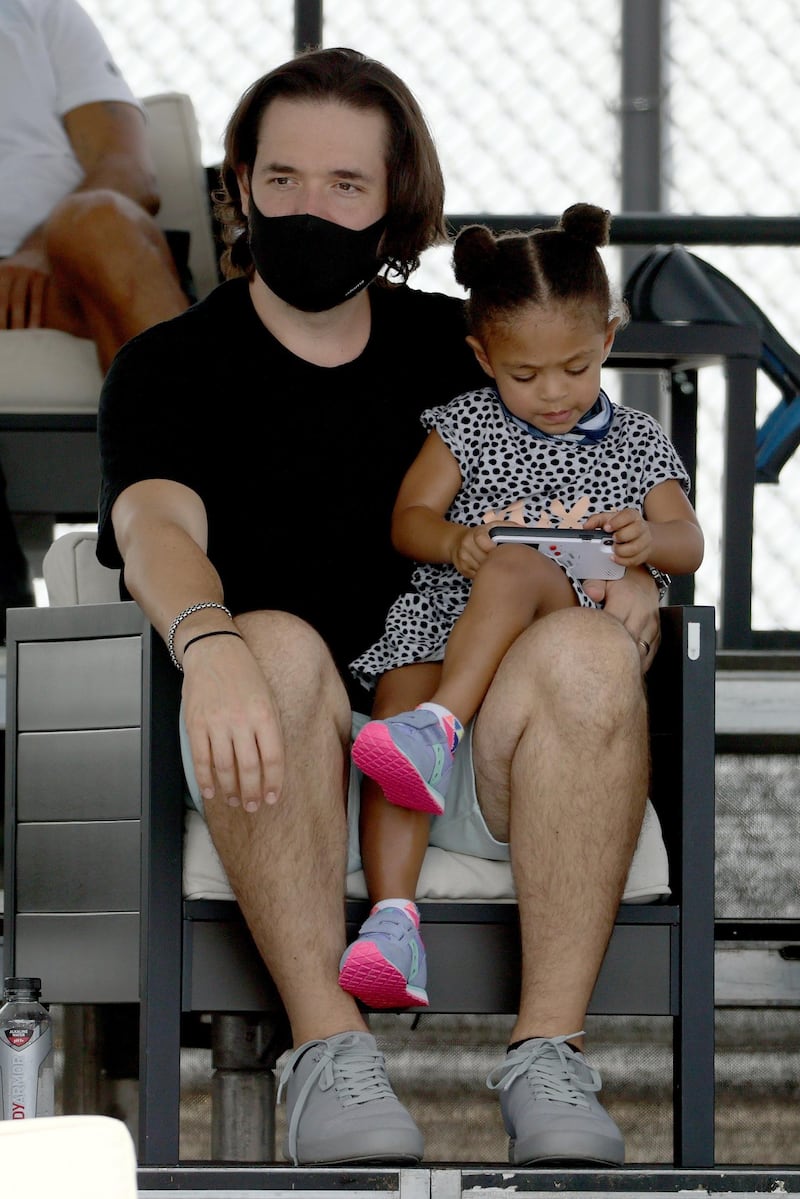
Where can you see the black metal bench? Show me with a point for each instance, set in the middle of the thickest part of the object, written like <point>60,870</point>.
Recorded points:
<point>94,842</point>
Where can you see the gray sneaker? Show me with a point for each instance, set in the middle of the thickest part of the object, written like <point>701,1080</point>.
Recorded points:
<point>550,1108</point>
<point>340,1105</point>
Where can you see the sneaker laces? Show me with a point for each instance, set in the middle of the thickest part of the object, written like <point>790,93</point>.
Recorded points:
<point>358,1075</point>
<point>548,1068</point>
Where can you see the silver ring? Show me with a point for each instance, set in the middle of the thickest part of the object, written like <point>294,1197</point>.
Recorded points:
<point>645,646</point>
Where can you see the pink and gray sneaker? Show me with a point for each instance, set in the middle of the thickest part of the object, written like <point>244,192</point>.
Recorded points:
<point>410,756</point>
<point>385,966</point>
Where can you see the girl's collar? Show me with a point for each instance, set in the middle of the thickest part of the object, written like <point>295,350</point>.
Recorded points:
<point>592,426</point>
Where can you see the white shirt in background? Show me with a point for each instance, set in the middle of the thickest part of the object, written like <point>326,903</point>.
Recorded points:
<point>52,59</point>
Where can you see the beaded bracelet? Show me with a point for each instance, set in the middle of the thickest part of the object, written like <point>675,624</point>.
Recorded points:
<point>173,628</point>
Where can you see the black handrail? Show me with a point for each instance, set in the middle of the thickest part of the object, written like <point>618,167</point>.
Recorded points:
<point>654,228</point>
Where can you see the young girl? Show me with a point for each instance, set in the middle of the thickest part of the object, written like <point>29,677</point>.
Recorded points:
<point>542,445</point>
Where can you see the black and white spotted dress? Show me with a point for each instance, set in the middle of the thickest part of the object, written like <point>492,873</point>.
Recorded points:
<point>509,474</point>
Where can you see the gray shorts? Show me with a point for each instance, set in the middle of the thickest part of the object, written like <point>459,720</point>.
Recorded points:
<point>462,828</point>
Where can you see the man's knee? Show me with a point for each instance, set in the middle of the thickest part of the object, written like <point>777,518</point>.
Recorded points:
<point>579,660</point>
<point>580,639</point>
<point>296,661</point>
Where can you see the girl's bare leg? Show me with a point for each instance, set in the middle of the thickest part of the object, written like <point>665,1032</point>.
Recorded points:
<point>515,587</point>
<point>393,839</point>
<point>385,966</point>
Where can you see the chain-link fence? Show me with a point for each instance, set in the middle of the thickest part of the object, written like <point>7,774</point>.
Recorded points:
<point>523,97</point>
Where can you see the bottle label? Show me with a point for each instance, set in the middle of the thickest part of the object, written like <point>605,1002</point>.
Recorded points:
<point>18,1037</point>
<point>24,1049</point>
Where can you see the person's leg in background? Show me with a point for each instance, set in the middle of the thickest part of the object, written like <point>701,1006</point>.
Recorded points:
<point>113,275</point>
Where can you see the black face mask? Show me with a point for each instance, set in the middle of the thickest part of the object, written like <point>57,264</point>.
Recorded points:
<point>310,263</point>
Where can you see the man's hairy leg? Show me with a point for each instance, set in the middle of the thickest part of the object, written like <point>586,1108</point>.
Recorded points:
<point>286,862</point>
<point>561,760</point>
<point>112,272</point>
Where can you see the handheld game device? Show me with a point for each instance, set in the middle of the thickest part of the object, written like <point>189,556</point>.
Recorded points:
<point>586,553</point>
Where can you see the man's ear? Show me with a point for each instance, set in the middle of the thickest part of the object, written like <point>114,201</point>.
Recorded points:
<point>243,179</point>
<point>611,332</point>
<point>480,354</point>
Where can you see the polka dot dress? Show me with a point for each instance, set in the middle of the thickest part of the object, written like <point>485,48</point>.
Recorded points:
<point>508,474</point>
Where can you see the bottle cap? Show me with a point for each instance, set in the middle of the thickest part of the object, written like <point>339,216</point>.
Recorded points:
<point>23,984</point>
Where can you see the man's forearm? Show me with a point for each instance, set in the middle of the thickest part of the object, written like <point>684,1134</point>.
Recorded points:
<point>110,143</point>
<point>170,573</point>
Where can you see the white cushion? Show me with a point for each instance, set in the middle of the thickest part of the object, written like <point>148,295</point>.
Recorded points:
<point>67,1157</point>
<point>44,370</point>
<point>175,144</point>
<point>444,875</point>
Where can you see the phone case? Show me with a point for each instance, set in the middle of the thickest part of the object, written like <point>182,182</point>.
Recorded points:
<point>585,553</point>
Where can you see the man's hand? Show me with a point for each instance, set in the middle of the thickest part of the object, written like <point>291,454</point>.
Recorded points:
<point>633,599</point>
<point>24,279</point>
<point>233,725</point>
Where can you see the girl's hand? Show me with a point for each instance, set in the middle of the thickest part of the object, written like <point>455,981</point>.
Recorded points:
<point>633,539</point>
<point>471,548</point>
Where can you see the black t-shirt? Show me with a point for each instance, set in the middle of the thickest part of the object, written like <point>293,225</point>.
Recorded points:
<point>298,465</point>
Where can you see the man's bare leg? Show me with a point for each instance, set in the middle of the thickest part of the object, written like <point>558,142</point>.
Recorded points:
<point>286,862</point>
<point>561,761</point>
<point>562,769</point>
<point>112,272</point>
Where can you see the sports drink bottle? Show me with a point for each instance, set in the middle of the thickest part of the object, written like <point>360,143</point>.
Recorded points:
<point>26,1052</point>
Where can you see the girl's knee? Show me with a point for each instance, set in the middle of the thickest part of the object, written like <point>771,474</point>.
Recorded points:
<point>511,564</point>
<point>520,572</point>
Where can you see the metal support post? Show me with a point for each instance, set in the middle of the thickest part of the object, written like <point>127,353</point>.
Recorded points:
<point>244,1051</point>
<point>641,151</point>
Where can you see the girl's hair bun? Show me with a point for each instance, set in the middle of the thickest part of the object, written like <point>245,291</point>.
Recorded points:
<point>474,256</point>
<point>588,223</point>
